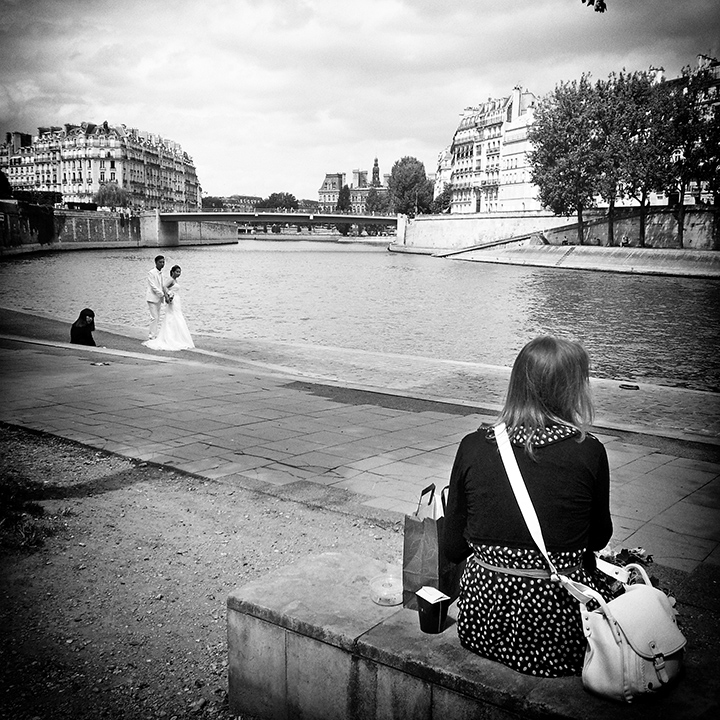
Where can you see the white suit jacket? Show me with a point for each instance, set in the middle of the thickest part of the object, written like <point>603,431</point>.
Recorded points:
<point>155,285</point>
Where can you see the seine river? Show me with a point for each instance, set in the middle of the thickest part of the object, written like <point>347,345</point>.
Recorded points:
<point>663,330</point>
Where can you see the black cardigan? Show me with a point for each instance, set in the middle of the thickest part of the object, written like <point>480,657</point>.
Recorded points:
<point>81,334</point>
<point>568,482</point>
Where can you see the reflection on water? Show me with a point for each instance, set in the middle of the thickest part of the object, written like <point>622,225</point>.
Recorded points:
<point>651,328</point>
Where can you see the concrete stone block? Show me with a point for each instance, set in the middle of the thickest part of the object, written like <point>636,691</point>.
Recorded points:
<point>440,661</point>
<point>307,642</point>
<point>325,597</point>
<point>447,704</point>
<point>318,680</point>
<point>392,695</point>
<point>256,667</point>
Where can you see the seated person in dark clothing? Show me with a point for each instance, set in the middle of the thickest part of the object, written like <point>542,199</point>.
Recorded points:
<point>82,329</point>
<point>509,609</point>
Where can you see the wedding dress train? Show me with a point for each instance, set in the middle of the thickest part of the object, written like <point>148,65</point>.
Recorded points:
<point>174,333</point>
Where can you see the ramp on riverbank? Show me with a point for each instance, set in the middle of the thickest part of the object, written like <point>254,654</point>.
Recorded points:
<point>650,261</point>
<point>640,261</point>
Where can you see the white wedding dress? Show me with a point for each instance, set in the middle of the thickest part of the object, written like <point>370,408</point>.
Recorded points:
<point>174,333</point>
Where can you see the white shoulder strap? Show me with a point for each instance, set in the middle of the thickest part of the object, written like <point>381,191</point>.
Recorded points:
<point>521,494</point>
<point>528,510</point>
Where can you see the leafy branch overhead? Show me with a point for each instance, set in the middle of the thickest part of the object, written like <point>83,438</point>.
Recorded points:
<point>599,5</point>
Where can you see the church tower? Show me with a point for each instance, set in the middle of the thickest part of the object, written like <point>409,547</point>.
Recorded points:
<point>376,174</point>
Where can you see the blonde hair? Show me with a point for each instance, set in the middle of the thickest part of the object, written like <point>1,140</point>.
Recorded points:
<point>549,383</point>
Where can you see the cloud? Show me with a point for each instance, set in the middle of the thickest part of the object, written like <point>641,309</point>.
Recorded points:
<point>268,95</point>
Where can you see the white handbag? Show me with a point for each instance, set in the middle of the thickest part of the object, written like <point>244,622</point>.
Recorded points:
<point>634,644</point>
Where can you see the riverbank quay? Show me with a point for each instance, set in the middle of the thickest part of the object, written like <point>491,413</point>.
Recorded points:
<point>31,229</point>
<point>358,422</point>
<point>364,448</point>
<point>635,261</point>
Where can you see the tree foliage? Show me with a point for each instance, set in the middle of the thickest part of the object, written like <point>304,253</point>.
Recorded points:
<point>5,187</point>
<point>411,192</point>
<point>647,160</point>
<point>210,202</point>
<point>441,204</point>
<point>635,146</point>
<point>567,150</point>
<point>343,205</point>
<point>694,121</point>
<point>709,160</point>
<point>281,200</point>
<point>111,195</point>
<point>375,204</point>
<point>599,5</point>
<point>626,137</point>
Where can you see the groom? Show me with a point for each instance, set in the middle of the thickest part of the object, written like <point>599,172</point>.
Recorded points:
<point>155,294</point>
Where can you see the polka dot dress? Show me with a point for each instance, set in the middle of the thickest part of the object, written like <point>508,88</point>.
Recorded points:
<point>529,624</point>
<point>546,436</point>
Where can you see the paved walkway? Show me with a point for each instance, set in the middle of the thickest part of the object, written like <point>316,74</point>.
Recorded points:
<point>378,426</point>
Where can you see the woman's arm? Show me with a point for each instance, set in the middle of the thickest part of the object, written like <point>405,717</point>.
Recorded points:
<point>452,542</point>
<point>601,526</point>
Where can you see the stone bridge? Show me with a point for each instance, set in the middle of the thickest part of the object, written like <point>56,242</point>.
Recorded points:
<point>161,228</point>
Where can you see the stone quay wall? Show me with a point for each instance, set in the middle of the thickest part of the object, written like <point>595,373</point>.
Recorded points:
<point>28,228</point>
<point>433,234</point>
<point>91,229</point>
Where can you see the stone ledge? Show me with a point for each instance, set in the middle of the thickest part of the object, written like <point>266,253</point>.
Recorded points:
<point>308,642</point>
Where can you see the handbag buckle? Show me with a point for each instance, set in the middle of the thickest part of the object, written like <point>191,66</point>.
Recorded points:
<point>659,664</point>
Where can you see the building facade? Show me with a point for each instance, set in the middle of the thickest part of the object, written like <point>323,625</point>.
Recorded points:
<point>359,188</point>
<point>76,160</point>
<point>486,163</point>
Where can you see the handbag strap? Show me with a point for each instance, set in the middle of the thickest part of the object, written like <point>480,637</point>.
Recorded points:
<point>521,494</point>
<point>577,590</point>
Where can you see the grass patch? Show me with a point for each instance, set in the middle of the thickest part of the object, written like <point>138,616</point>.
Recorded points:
<point>23,520</point>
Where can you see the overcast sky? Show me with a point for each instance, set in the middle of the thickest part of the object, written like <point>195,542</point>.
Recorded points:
<point>269,95</point>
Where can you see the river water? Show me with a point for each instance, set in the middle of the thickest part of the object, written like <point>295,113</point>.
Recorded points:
<point>662,330</point>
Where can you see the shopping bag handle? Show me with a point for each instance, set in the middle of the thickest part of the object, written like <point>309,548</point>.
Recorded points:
<point>443,498</point>
<point>429,489</point>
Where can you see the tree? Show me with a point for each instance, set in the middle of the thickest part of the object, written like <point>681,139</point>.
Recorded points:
<point>343,205</point>
<point>611,128</point>
<point>409,188</point>
<point>375,204</point>
<point>648,164</point>
<point>623,111</point>
<point>213,203</point>
<point>566,158</point>
<point>276,201</point>
<point>441,204</point>
<point>111,195</point>
<point>709,161</point>
<point>709,170</point>
<point>5,187</point>
<point>694,121</point>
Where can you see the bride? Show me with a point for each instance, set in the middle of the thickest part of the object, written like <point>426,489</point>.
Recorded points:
<point>174,333</point>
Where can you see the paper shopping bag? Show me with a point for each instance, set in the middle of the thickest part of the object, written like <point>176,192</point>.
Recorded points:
<point>423,561</point>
